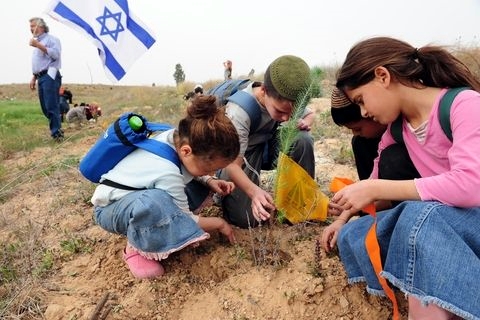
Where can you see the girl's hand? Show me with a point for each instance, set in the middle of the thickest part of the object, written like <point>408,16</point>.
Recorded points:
<point>334,209</point>
<point>221,186</point>
<point>329,236</point>
<point>227,230</point>
<point>209,224</point>
<point>355,197</point>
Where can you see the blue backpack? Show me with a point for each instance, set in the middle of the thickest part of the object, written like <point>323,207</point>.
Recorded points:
<point>118,141</point>
<point>443,116</point>
<point>231,90</point>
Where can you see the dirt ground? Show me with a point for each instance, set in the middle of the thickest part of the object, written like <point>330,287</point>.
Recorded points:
<point>273,272</point>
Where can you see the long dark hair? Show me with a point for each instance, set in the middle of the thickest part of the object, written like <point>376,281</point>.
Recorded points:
<point>431,66</point>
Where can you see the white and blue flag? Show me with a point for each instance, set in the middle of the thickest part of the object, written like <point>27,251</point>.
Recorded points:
<point>121,38</point>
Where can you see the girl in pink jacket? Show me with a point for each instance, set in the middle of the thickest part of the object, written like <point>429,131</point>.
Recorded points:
<point>430,243</point>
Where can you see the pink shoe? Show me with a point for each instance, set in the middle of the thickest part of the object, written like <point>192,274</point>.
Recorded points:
<point>142,267</point>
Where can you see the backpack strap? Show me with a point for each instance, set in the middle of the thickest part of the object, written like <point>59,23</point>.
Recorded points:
<point>154,126</point>
<point>443,116</point>
<point>445,107</point>
<point>248,103</point>
<point>114,184</point>
<point>161,149</point>
<point>396,129</point>
<point>227,88</point>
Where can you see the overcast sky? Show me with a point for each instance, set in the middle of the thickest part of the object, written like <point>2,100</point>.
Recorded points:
<point>200,35</point>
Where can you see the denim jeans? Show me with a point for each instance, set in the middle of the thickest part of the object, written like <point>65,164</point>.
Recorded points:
<point>48,94</point>
<point>429,250</point>
<point>151,221</point>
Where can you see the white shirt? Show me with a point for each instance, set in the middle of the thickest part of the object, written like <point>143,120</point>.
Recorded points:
<point>143,169</point>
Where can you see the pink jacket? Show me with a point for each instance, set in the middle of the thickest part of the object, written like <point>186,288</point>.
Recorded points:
<point>450,171</point>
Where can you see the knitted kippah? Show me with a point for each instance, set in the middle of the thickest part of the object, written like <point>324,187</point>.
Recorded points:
<point>343,110</point>
<point>290,76</point>
<point>339,99</point>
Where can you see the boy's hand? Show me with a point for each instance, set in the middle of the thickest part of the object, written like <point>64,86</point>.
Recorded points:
<point>262,204</point>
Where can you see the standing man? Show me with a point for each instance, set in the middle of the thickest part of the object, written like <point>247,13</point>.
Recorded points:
<point>227,73</point>
<point>46,64</point>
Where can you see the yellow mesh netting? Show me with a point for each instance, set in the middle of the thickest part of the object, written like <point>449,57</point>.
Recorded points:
<point>297,195</point>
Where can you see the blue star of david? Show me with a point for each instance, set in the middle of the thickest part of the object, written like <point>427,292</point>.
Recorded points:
<point>107,14</point>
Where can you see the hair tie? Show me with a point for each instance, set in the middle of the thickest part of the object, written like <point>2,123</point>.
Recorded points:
<point>415,54</point>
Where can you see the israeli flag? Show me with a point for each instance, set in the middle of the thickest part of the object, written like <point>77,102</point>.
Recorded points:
<point>121,38</point>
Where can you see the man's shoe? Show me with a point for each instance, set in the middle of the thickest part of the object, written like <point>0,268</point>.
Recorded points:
<point>58,137</point>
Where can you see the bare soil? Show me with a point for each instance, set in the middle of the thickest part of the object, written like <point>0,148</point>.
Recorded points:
<point>274,272</point>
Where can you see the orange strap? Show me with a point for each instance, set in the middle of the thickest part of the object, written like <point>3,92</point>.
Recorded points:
<point>371,244</point>
<point>373,249</point>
